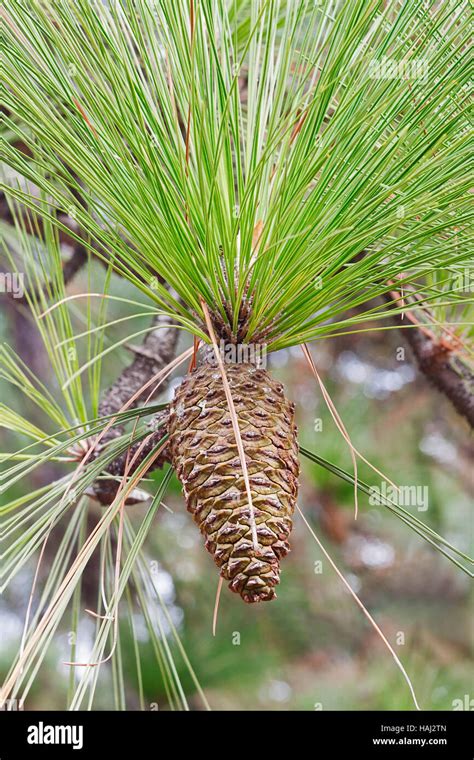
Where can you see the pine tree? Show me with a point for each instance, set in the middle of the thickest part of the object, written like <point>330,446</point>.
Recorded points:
<point>265,173</point>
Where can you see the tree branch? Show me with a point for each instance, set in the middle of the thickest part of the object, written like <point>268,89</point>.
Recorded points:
<point>105,488</point>
<point>158,350</point>
<point>442,368</point>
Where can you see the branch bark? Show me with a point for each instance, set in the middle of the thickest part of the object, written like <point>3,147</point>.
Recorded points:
<point>105,488</point>
<point>442,367</point>
<point>159,348</point>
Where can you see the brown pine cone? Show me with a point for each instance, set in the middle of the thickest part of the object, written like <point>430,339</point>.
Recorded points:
<point>204,453</point>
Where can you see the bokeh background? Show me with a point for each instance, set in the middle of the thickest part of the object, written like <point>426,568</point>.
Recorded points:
<point>312,648</point>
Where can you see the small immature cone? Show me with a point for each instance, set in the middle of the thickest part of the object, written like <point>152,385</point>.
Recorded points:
<point>204,453</point>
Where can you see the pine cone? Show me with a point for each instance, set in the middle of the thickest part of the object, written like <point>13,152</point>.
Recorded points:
<point>204,453</point>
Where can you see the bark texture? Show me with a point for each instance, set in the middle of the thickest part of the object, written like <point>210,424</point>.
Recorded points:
<point>158,350</point>
<point>445,371</point>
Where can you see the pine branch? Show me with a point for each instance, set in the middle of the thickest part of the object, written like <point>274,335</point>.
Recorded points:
<point>105,488</point>
<point>442,367</point>
<point>449,375</point>
<point>158,350</point>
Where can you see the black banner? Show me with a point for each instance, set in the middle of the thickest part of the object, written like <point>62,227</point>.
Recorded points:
<point>376,734</point>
